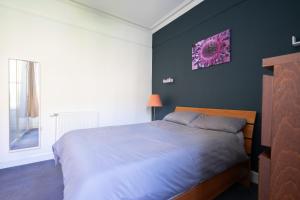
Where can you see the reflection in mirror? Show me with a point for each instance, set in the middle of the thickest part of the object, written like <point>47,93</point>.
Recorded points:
<point>24,92</point>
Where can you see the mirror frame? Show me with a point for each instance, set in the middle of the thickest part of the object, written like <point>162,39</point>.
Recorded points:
<point>9,98</point>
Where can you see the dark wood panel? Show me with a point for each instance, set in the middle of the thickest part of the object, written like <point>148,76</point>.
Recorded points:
<point>266,126</point>
<point>285,153</point>
<point>264,177</point>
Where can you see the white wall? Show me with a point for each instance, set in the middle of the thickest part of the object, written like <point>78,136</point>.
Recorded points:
<point>89,61</point>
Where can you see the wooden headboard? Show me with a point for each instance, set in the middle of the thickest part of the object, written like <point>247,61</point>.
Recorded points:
<point>245,114</point>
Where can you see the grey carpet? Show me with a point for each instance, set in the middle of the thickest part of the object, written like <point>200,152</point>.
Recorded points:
<point>38,181</point>
<point>29,139</point>
<point>43,181</point>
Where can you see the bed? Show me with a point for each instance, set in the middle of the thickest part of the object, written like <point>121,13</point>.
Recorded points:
<point>155,160</point>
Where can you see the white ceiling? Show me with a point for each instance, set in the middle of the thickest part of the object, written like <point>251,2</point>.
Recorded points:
<point>145,13</point>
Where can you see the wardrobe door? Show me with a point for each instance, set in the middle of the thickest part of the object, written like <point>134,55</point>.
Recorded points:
<point>285,148</point>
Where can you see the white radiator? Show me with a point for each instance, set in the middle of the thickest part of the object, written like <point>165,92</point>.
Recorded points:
<point>68,121</point>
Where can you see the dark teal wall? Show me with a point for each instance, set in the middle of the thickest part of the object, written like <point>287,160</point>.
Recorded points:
<point>259,29</point>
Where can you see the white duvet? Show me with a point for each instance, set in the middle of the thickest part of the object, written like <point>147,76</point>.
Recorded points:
<point>155,160</point>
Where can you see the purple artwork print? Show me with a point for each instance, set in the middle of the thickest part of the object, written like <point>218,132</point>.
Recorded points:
<point>211,51</point>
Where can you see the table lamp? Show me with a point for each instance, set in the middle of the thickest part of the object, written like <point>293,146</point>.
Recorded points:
<point>154,102</point>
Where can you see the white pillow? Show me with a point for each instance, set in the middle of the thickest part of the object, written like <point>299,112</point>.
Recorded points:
<point>219,123</point>
<point>181,117</point>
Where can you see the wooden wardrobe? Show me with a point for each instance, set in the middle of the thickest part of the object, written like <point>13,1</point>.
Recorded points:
<point>279,164</point>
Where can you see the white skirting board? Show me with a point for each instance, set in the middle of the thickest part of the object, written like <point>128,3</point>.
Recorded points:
<point>28,160</point>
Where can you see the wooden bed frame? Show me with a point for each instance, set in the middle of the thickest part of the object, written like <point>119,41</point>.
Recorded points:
<point>211,188</point>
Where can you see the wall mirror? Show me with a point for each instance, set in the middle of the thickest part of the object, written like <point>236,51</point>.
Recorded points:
<point>24,104</point>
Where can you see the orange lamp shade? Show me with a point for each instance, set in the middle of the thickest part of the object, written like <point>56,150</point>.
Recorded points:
<point>154,101</point>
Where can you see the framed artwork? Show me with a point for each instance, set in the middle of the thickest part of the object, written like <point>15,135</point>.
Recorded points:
<point>211,51</point>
